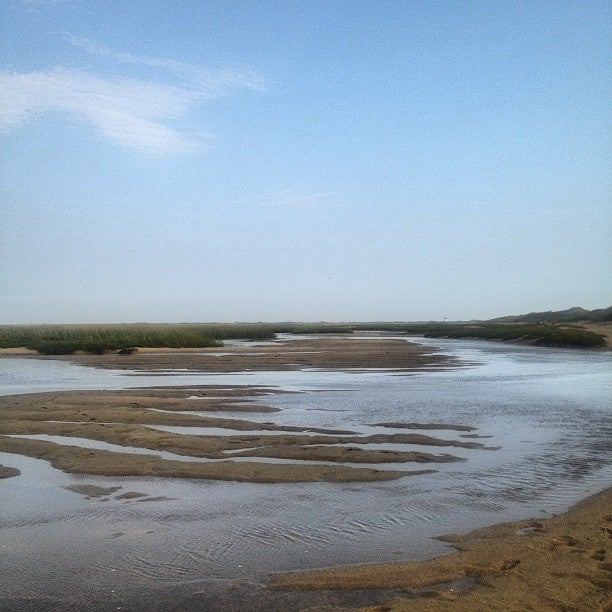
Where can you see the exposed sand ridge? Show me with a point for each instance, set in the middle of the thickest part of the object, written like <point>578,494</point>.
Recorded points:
<point>127,418</point>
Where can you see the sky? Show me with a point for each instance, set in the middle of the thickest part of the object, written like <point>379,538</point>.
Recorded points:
<point>320,160</point>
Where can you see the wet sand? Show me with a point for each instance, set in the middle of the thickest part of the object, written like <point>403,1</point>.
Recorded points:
<point>562,563</point>
<point>114,417</point>
<point>293,454</point>
<point>328,352</point>
<point>128,420</point>
<point>8,472</point>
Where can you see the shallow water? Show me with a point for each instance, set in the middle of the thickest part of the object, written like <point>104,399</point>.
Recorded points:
<point>548,410</point>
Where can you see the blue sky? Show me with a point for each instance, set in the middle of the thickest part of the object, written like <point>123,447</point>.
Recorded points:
<point>321,160</point>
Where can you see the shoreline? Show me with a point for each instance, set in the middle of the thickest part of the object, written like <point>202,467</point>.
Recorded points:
<point>558,563</point>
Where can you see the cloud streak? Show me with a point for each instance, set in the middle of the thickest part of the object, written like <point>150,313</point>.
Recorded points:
<point>134,113</point>
<point>210,83</point>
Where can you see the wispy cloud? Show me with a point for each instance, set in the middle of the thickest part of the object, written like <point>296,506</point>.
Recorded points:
<point>134,113</point>
<point>206,81</point>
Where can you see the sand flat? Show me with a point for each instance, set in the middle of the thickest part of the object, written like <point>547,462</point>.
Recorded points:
<point>122,418</point>
<point>356,351</point>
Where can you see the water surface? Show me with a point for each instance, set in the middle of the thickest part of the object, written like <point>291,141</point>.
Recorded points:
<point>548,410</point>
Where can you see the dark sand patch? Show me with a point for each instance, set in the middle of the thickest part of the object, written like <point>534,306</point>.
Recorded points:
<point>402,438</point>
<point>282,446</point>
<point>8,472</point>
<point>169,400</point>
<point>90,490</point>
<point>130,495</point>
<point>428,426</point>
<point>286,446</point>
<point>474,436</point>
<point>111,407</point>
<point>344,454</point>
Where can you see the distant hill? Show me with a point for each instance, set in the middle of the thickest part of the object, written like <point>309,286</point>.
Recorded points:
<point>570,315</point>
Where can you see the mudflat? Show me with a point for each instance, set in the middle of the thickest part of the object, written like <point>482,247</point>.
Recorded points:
<point>329,352</point>
<point>128,420</point>
<point>8,472</point>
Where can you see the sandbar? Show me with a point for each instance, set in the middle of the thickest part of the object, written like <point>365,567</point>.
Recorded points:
<point>8,472</point>
<point>357,351</point>
<point>127,418</point>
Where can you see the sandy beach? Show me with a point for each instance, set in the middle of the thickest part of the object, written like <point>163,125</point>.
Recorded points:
<point>563,563</point>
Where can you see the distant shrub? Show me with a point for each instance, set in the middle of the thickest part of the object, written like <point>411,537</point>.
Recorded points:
<point>312,328</point>
<point>53,347</point>
<point>127,350</point>
<point>541,335</point>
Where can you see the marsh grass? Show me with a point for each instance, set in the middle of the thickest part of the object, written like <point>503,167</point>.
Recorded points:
<point>67,339</point>
<point>538,334</point>
<point>312,328</point>
<point>126,337</point>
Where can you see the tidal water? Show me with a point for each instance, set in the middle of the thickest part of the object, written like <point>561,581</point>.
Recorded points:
<point>544,415</point>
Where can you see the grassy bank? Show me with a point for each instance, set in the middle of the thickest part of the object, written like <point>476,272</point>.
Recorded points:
<point>312,328</point>
<point>67,339</point>
<point>542,335</point>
